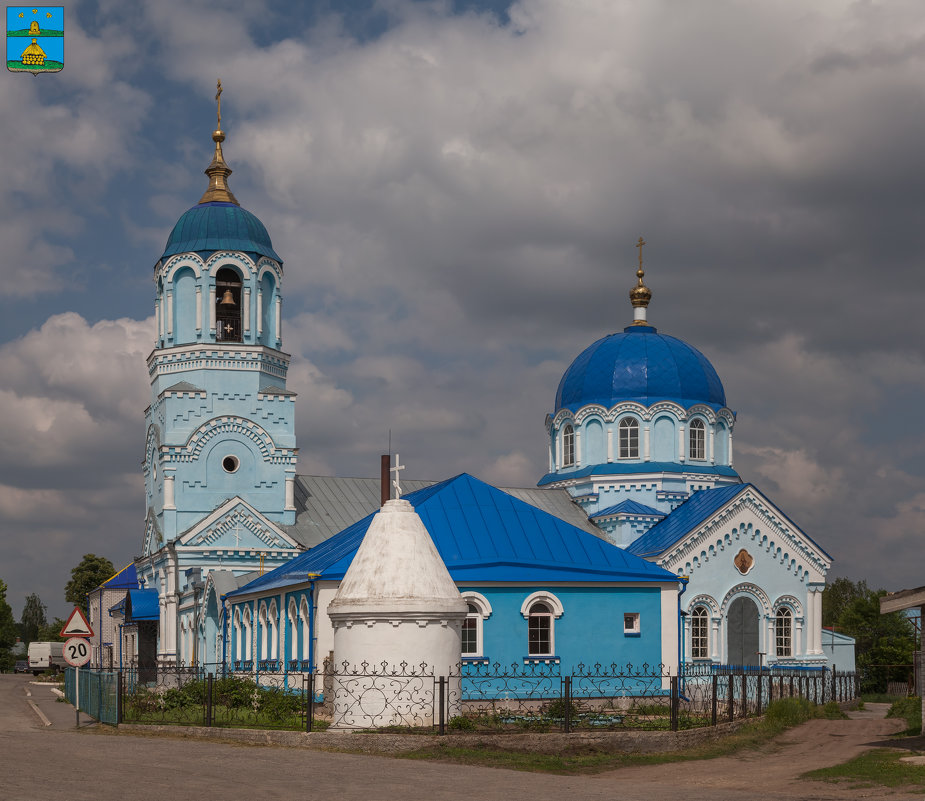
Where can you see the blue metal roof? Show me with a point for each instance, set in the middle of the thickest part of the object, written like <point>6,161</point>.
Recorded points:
<point>482,534</point>
<point>640,365</point>
<point>141,605</point>
<point>219,226</point>
<point>125,579</point>
<point>629,508</point>
<point>687,516</point>
<point>624,468</point>
<point>690,514</point>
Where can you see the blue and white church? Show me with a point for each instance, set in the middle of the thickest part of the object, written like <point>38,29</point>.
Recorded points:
<point>641,542</point>
<point>642,439</point>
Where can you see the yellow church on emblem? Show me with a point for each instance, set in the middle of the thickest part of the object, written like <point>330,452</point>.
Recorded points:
<point>35,39</point>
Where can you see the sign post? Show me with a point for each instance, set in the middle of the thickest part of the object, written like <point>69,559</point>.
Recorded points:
<point>77,650</point>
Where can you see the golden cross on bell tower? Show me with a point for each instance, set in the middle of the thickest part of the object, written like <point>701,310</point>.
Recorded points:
<point>640,272</point>
<point>218,98</point>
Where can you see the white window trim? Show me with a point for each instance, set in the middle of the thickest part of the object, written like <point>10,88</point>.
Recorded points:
<point>706,635</point>
<point>557,609</point>
<point>293,630</point>
<point>481,603</point>
<point>790,617</point>
<point>636,627</point>
<point>236,622</point>
<point>631,424</point>
<point>568,453</point>
<point>306,628</point>
<point>273,634</point>
<point>702,428</point>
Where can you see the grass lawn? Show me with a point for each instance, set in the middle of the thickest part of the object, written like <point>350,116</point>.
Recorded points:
<point>590,759</point>
<point>874,768</point>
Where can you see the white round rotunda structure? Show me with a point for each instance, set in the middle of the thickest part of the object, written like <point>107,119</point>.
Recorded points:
<point>397,619</point>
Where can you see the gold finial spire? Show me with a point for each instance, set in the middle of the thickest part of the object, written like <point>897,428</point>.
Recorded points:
<point>218,171</point>
<point>640,295</point>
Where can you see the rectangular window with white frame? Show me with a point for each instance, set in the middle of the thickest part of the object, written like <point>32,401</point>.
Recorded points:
<point>631,623</point>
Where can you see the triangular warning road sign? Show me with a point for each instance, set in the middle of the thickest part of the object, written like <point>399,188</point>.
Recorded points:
<point>77,625</point>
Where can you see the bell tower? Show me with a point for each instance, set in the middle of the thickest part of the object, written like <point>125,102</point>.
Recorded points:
<point>221,421</point>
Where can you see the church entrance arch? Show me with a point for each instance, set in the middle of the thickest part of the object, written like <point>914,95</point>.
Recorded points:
<point>742,632</point>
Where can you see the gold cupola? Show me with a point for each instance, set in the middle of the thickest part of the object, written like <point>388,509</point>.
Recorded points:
<point>218,171</point>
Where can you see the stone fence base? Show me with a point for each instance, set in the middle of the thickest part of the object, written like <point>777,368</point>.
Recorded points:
<point>625,742</point>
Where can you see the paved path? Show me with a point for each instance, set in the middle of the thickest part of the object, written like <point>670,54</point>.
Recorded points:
<point>62,762</point>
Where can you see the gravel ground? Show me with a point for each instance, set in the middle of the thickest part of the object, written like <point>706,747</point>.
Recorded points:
<point>62,762</point>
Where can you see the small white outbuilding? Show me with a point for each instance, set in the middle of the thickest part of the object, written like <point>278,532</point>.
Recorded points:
<point>397,619</point>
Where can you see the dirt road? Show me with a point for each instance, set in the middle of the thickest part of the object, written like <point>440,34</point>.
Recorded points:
<point>60,761</point>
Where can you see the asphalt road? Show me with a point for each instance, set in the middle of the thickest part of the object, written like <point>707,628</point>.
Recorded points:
<point>61,762</point>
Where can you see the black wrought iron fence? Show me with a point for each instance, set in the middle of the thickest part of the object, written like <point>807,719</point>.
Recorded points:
<point>472,697</point>
<point>205,695</point>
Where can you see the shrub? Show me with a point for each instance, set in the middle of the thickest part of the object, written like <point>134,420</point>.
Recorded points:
<point>789,712</point>
<point>461,723</point>
<point>910,709</point>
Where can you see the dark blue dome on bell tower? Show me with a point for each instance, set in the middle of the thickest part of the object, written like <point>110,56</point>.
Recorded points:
<point>219,225</point>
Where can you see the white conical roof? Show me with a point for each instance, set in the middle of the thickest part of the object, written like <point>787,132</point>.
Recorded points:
<point>397,569</point>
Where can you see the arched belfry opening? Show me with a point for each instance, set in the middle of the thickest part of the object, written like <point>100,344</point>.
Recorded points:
<point>227,305</point>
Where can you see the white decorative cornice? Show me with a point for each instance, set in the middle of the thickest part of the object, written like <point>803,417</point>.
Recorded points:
<point>231,514</point>
<point>221,257</point>
<point>775,535</point>
<point>704,600</point>
<point>166,270</point>
<point>266,264</point>
<point>645,413</point>
<point>230,424</point>
<point>746,588</point>
<point>792,602</point>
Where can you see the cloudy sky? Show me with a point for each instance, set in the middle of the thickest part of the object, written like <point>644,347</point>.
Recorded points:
<point>456,189</point>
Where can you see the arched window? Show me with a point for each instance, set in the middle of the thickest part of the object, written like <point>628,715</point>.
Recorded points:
<point>273,633</point>
<point>470,632</point>
<point>306,629</point>
<point>293,631</point>
<point>472,629</point>
<point>568,446</point>
<point>237,635</point>
<point>262,618</point>
<point>697,439</point>
<point>539,630</point>
<point>700,633</point>
<point>227,306</point>
<point>247,634</point>
<point>629,438</point>
<point>783,632</point>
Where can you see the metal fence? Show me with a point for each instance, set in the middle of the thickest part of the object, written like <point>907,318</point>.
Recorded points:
<point>211,695</point>
<point>98,696</point>
<point>475,696</point>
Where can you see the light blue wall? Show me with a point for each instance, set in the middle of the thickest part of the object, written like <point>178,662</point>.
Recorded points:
<point>715,576</point>
<point>589,631</point>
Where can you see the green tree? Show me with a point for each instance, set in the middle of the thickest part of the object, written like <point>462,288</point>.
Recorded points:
<point>51,632</point>
<point>884,643</point>
<point>8,632</point>
<point>92,571</point>
<point>838,595</point>
<point>33,618</point>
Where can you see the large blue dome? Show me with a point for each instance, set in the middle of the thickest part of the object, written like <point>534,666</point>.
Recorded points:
<point>219,226</point>
<point>640,365</point>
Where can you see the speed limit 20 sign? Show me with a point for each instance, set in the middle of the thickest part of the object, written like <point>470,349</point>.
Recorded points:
<point>76,652</point>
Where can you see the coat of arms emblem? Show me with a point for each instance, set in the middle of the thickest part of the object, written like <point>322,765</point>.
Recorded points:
<point>35,39</point>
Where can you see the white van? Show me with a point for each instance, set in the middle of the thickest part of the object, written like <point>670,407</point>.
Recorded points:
<point>46,655</point>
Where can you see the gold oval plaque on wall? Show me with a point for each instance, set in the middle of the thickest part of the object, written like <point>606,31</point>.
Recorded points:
<point>743,561</point>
